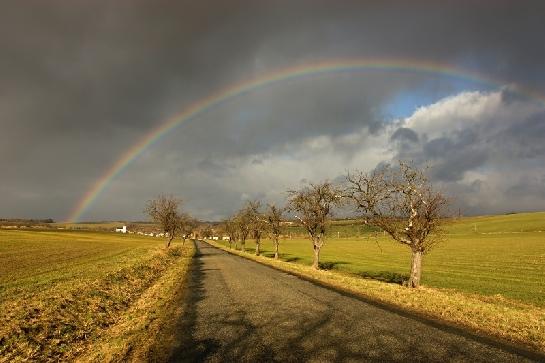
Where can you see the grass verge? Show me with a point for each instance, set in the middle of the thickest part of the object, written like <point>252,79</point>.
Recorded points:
<point>145,331</point>
<point>61,322</point>
<point>496,316</point>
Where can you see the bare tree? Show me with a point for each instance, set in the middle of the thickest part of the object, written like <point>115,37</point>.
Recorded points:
<point>207,231</point>
<point>243,222</point>
<point>257,223</point>
<point>273,217</point>
<point>231,229</point>
<point>164,210</point>
<point>188,226</point>
<point>314,207</point>
<point>402,203</point>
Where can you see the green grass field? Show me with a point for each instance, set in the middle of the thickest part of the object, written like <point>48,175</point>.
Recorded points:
<point>60,290</point>
<point>31,260</point>
<point>486,255</point>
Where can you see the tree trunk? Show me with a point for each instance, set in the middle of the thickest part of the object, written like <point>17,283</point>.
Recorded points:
<point>243,246</point>
<point>169,241</point>
<point>257,242</point>
<point>416,269</point>
<point>276,248</point>
<point>183,242</point>
<point>316,260</point>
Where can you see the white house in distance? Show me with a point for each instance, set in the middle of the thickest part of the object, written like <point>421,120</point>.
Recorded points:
<point>122,229</point>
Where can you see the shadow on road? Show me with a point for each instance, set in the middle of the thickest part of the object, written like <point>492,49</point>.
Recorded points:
<point>245,312</point>
<point>187,350</point>
<point>289,336</point>
<point>236,346</point>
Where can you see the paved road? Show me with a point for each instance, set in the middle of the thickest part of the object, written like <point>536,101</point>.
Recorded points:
<point>240,311</point>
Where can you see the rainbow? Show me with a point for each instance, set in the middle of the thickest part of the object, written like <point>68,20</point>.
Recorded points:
<point>250,85</point>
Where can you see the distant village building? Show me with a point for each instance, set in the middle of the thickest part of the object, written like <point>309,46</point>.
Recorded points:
<point>226,238</point>
<point>122,229</point>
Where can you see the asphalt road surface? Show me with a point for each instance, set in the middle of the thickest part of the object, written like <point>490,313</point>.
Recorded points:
<point>237,310</point>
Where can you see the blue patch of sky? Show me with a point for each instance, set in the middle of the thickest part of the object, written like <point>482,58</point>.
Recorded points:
<point>405,102</point>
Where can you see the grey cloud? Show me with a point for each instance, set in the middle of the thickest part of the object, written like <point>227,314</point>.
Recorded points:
<point>405,134</point>
<point>453,156</point>
<point>214,167</point>
<point>524,138</point>
<point>529,185</point>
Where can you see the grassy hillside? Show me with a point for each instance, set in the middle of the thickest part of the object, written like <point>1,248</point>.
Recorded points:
<point>508,223</point>
<point>63,290</point>
<point>487,255</point>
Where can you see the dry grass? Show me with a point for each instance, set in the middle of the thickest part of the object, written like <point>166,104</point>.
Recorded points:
<point>145,332</point>
<point>497,316</point>
<point>72,287</point>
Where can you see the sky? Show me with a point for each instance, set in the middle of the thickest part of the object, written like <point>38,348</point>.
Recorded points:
<point>82,82</point>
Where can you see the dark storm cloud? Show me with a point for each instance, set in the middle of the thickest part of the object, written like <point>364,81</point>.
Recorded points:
<point>80,82</point>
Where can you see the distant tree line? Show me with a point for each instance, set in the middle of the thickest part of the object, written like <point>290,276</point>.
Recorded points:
<point>25,222</point>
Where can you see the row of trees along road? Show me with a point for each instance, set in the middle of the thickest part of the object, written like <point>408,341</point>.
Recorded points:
<point>398,200</point>
<point>251,222</point>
